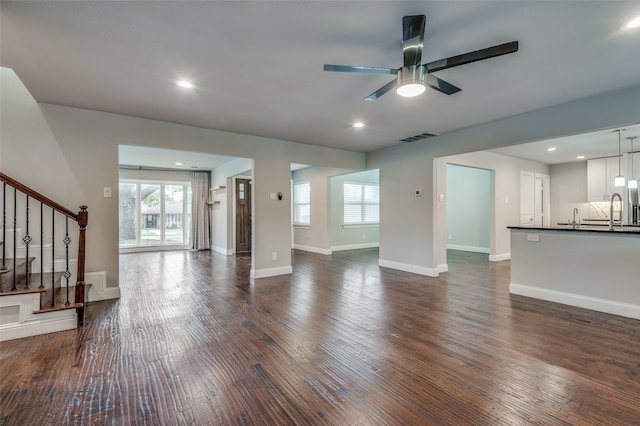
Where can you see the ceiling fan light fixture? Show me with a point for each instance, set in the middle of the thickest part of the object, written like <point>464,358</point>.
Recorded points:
<point>410,90</point>
<point>635,23</point>
<point>411,81</point>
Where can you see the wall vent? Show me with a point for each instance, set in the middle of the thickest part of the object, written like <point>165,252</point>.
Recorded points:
<point>420,136</point>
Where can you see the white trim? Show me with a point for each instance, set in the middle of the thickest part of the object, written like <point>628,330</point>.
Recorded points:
<point>142,249</point>
<point>593,303</point>
<point>271,272</point>
<point>30,324</point>
<point>414,269</point>
<point>317,250</point>
<point>226,252</point>
<point>361,225</point>
<point>442,268</point>
<point>99,289</point>
<point>354,246</point>
<point>499,257</point>
<point>468,248</point>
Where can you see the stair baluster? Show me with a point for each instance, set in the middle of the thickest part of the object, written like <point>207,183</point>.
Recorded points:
<point>15,237</point>
<point>41,245</point>
<point>67,274</point>
<point>53,257</point>
<point>3,267</point>
<point>27,240</point>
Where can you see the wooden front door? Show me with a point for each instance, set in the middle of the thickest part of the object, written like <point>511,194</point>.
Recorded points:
<point>243,215</point>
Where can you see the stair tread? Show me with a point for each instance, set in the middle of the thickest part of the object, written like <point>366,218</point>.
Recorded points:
<point>34,283</point>
<point>59,308</point>
<point>17,266</point>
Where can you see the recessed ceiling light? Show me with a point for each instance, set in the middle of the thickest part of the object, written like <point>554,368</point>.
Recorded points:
<point>580,157</point>
<point>358,124</point>
<point>634,23</point>
<point>178,164</point>
<point>553,148</point>
<point>184,84</point>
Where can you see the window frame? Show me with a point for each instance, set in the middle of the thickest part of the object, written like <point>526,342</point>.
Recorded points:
<point>186,215</point>
<point>296,203</point>
<point>362,203</point>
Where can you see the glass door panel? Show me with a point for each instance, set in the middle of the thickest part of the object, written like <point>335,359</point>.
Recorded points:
<point>173,214</point>
<point>128,195</point>
<point>150,215</point>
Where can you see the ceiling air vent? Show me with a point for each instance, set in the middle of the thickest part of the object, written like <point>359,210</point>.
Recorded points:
<point>420,136</point>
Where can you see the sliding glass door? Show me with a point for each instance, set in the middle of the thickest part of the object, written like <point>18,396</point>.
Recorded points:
<point>154,214</point>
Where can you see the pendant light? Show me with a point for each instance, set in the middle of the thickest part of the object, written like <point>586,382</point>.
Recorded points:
<point>619,181</point>
<point>633,182</point>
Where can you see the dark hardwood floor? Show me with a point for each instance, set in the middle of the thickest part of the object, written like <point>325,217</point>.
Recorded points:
<point>340,342</point>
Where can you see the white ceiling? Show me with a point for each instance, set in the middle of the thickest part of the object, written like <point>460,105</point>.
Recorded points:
<point>129,155</point>
<point>257,65</point>
<point>603,143</point>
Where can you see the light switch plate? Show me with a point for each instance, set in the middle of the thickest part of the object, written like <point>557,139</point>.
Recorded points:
<point>106,192</point>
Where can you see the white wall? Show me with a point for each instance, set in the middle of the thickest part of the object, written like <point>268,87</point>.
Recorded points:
<point>326,232</point>
<point>347,238</point>
<point>222,214</point>
<point>408,238</point>
<point>71,154</point>
<point>568,191</point>
<point>505,208</point>
<point>468,201</point>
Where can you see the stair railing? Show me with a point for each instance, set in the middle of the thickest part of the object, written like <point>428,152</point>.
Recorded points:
<point>19,190</point>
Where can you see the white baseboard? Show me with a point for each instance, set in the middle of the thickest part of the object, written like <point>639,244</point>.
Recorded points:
<point>226,252</point>
<point>354,246</point>
<point>499,257</point>
<point>312,249</point>
<point>595,304</point>
<point>468,248</point>
<point>99,289</point>
<point>271,272</point>
<point>442,268</point>
<point>414,269</point>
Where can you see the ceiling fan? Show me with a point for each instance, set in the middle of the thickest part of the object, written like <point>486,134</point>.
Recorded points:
<point>413,77</point>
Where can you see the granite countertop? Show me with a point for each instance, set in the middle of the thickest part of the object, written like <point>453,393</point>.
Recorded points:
<point>625,229</point>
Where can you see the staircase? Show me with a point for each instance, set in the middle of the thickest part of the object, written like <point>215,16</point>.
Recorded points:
<point>36,291</point>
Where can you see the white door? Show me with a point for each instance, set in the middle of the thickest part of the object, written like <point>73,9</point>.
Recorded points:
<point>542,201</point>
<point>527,198</point>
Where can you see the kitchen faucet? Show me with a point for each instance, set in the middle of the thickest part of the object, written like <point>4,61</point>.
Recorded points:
<point>611,210</point>
<point>575,212</point>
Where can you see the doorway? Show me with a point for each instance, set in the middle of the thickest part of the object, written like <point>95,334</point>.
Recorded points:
<point>535,200</point>
<point>243,215</point>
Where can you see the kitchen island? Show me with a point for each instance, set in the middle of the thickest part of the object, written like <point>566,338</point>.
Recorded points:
<point>589,267</point>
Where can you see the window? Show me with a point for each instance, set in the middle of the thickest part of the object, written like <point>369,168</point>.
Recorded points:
<point>361,203</point>
<point>154,213</point>
<point>302,203</point>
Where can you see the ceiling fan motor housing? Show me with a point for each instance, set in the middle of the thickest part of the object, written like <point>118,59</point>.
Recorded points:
<point>411,80</point>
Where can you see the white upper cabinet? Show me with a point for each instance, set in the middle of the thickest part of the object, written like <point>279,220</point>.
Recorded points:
<point>601,173</point>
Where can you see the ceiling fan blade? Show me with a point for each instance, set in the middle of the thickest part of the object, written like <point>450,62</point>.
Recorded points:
<point>440,85</point>
<point>413,39</point>
<point>478,55</point>
<point>369,70</point>
<point>381,91</point>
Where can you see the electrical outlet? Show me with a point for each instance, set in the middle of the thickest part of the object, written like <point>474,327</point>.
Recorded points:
<point>274,255</point>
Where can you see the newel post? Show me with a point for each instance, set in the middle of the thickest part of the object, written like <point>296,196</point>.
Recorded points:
<point>83,217</point>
